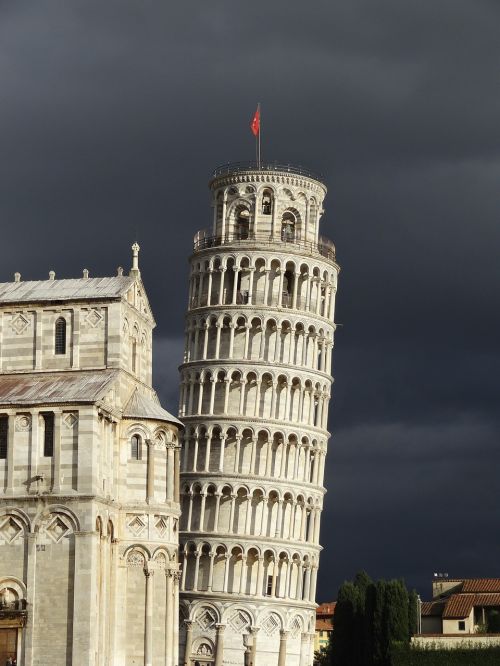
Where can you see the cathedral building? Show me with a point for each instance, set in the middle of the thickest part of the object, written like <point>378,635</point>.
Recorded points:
<point>89,478</point>
<point>255,388</point>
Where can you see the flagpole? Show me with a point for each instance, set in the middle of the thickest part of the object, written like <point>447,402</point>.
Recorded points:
<point>260,131</point>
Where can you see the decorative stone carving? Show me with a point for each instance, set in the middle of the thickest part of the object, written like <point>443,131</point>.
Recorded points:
<point>135,559</point>
<point>10,529</point>
<point>57,529</point>
<point>23,423</point>
<point>93,318</point>
<point>70,420</point>
<point>136,525</point>
<point>19,323</point>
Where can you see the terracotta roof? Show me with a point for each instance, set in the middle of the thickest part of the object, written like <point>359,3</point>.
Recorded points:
<point>326,608</point>
<point>481,585</point>
<point>57,387</point>
<point>324,625</point>
<point>460,605</point>
<point>140,407</point>
<point>432,608</point>
<point>64,290</point>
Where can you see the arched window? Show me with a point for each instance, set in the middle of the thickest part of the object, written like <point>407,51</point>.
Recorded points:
<point>243,225</point>
<point>60,336</point>
<point>288,228</point>
<point>266,203</point>
<point>134,355</point>
<point>136,448</point>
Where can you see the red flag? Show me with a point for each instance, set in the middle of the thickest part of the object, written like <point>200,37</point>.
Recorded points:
<point>255,124</point>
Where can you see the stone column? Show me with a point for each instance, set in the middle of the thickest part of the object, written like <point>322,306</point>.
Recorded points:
<point>191,396</point>
<point>282,652</point>
<point>195,456</point>
<point>189,642</point>
<point>148,625</point>
<point>171,472</point>
<point>247,339</point>
<point>56,479</point>
<point>200,289</point>
<point>221,457</point>
<point>226,571</point>
<point>242,394</point>
<point>295,286</point>
<point>250,285</point>
<point>30,541</point>
<point>213,381</point>
<point>217,509</point>
<point>190,511</point>
<point>197,556</point>
<point>218,327</point>
<point>11,429</point>
<point>253,650</point>
<point>257,397</point>
<point>231,339</point>
<point>209,293</point>
<point>177,476</point>
<point>227,381</point>
<point>266,285</point>
<point>221,289</point>
<point>202,511</point>
<point>175,619</point>
<point>277,345</point>
<point>211,571</point>
<point>231,514</point>
<point>150,485</point>
<point>205,341</point>
<point>280,288</point>
<point>200,396</point>
<point>237,454</point>
<point>170,618</point>
<point>207,452</point>
<point>304,648</point>
<point>260,573</point>
<point>219,649</point>
<point>236,271</point>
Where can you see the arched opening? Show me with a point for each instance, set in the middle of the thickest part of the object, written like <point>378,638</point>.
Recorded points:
<point>135,447</point>
<point>288,228</point>
<point>267,202</point>
<point>60,336</point>
<point>243,224</point>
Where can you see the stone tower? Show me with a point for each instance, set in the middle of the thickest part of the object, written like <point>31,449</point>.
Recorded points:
<point>255,388</point>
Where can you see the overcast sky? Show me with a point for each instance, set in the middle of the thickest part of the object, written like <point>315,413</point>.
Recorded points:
<point>114,113</point>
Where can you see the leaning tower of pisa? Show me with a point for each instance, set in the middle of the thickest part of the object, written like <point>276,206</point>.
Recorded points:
<point>255,388</point>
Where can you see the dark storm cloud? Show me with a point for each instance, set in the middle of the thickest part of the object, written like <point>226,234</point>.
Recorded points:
<point>112,115</point>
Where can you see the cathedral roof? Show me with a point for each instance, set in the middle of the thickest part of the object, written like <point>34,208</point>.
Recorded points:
<point>54,388</point>
<point>140,407</point>
<point>64,290</point>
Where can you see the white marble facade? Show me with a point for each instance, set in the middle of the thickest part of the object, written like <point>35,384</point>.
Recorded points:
<point>255,388</point>
<point>89,478</point>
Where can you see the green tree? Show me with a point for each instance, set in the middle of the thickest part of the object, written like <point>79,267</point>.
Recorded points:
<point>413,608</point>
<point>345,648</point>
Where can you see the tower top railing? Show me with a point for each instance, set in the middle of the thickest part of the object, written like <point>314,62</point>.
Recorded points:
<point>324,247</point>
<point>244,167</point>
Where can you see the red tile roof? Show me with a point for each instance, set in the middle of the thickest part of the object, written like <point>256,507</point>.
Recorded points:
<point>327,608</point>
<point>432,608</point>
<point>481,585</point>
<point>460,605</point>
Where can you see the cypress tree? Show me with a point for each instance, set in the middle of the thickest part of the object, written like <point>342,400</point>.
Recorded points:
<point>345,650</point>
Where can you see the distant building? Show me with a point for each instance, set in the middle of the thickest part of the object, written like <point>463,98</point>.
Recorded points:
<point>324,625</point>
<point>467,608</point>
<point>89,478</point>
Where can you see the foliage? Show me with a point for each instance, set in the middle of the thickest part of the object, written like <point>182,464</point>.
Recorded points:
<point>406,655</point>
<point>369,617</point>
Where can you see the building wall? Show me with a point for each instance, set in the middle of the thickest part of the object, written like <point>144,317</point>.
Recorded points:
<point>89,535</point>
